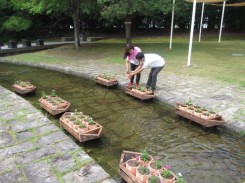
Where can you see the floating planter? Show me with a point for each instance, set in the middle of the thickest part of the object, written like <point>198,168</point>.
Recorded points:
<point>139,92</point>
<point>198,114</point>
<point>23,87</point>
<point>80,126</point>
<point>53,104</point>
<point>137,167</point>
<point>106,80</point>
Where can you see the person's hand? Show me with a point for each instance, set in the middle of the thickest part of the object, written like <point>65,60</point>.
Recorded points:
<point>128,75</point>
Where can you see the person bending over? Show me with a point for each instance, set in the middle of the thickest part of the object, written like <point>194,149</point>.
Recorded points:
<point>155,62</point>
<point>129,56</point>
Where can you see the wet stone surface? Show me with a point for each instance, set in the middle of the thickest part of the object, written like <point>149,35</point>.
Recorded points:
<point>25,135</point>
<point>40,150</point>
<point>7,164</point>
<point>66,146</point>
<point>47,128</point>
<point>89,173</point>
<point>40,172</point>
<point>18,127</point>
<point>15,175</point>
<point>51,138</point>
<point>63,163</point>
<point>84,157</point>
<point>5,139</point>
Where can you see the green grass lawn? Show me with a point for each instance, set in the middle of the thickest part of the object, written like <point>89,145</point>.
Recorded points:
<point>210,59</point>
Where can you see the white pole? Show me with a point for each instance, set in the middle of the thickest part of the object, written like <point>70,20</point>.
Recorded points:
<point>191,33</point>
<point>221,23</point>
<point>200,30</point>
<point>172,24</point>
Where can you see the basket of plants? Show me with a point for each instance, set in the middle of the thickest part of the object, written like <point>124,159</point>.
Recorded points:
<point>140,92</point>
<point>23,87</point>
<point>53,104</point>
<point>135,167</point>
<point>106,80</point>
<point>198,114</point>
<point>80,126</point>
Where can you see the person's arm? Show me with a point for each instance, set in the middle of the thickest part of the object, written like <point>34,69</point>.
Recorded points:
<point>127,66</point>
<point>136,72</point>
<point>139,67</point>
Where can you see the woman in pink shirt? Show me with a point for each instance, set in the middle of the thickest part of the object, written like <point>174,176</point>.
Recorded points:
<point>129,56</point>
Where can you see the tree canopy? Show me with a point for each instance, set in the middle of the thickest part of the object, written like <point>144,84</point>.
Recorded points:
<point>40,16</point>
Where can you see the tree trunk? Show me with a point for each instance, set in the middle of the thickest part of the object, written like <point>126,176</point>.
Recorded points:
<point>128,31</point>
<point>75,8</point>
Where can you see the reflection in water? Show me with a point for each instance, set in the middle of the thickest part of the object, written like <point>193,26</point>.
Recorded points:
<point>129,124</point>
<point>6,73</point>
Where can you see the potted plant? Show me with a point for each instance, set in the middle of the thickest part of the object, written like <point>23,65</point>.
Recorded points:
<point>107,77</point>
<point>76,124</point>
<point>79,115</point>
<point>197,106</point>
<point>145,158</point>
<point>180,178</point>
<point>167,175</point>
<point>132,165</point>
<point>190,109</point>
<point>102,77</point>
<point>189,103</point>
<point>212,114</point>
<point>205,115</point>
<point>86,120</point>
<point>134,89</point>
<point>155,167</point>
<point>142,89</point>
<point>204,110</point>
<point>53,104</point>
<point>53,93</point>
<point>82,128</point>
<point>142,172</point>
<point>91,124</point>
<point>182,106</point>
<point>149,91</point>
<point>44,95</point>
<point>72,118</point>
<point>23,87</point>
<point>153,179</point>
<point>67,118</point>
<point>24,84</point>
<point>197,112</point>
<point>107,80</point>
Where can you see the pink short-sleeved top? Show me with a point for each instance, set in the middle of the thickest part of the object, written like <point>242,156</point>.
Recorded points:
<point>131,58</point>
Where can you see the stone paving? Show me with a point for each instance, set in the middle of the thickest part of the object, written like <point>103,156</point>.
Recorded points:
<point>34,150</point>
<point>227,100</point>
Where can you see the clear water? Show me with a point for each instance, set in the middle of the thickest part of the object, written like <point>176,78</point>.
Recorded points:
<point>130,124</point>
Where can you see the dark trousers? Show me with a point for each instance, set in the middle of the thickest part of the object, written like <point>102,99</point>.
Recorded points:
<point>133,67</point>
<point>152,78</point>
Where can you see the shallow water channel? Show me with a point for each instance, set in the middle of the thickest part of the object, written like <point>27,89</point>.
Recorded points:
<point>129,124</point>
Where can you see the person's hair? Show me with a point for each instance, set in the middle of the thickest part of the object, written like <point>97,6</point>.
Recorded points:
<point>126,52</point>
<point>140,55</point>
